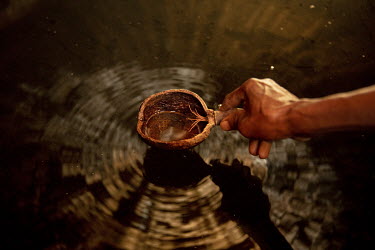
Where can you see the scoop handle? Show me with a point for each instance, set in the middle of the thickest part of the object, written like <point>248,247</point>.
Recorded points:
<point>220,115</point>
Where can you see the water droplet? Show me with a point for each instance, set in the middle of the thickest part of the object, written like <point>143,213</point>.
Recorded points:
<point>312,6</point>
<point>281,28</point>
<point>363,56</point>
<point>329,22</point>
<point>272,67</point>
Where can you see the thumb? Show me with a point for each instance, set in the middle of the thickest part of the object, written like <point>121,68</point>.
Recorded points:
<point>231,121</point>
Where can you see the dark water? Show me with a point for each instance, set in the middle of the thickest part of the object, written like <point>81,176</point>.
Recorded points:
<point>75,174</point>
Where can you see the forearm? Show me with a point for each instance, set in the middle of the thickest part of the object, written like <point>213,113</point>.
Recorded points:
<point>346,111</point>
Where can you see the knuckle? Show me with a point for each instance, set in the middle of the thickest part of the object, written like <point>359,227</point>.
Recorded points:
<point>269,81</point>
<point>252,81</point>
<point>252,85</point>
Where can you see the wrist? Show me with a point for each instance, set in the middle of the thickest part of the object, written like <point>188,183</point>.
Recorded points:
<point>300,122</point>
<point>321,115</point>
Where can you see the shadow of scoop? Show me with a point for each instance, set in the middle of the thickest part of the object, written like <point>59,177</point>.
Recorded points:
<point>242,198</point>
<point>178,168</point>
<point>244,201</point>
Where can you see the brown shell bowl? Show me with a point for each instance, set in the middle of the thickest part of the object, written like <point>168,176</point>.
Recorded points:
<point>179,100</point>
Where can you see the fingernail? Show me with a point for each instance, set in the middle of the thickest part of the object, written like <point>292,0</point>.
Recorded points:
<point>225,125</point>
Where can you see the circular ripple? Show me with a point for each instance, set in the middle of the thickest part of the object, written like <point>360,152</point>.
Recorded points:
<point>112,190</point>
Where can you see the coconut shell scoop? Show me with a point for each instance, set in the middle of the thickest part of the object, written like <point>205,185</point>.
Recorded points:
<point>176,119</point>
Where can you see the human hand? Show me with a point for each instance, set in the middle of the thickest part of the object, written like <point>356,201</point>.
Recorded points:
<point>264,116</point>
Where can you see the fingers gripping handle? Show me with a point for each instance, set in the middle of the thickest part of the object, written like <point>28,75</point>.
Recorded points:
<point>220,115</point>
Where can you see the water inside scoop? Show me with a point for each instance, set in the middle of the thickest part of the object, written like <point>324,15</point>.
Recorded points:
<point>171,126</point>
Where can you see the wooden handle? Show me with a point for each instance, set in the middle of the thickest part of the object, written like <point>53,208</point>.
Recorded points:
<point>220,115</point>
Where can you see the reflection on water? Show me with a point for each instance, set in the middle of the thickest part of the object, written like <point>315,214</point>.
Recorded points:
<point>77,176</point>
<point>94,184</point>
<point>104,180</point>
